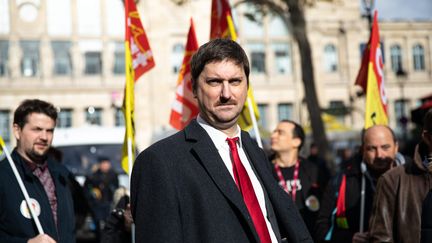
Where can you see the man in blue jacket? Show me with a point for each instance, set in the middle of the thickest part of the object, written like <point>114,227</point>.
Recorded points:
<point>45,179</point>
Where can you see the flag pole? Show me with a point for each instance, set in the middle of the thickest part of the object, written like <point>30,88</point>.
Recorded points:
<point>130,165</point>
<point>254,122</point>
<point>22,187</point>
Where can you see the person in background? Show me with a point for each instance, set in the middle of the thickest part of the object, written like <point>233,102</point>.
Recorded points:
<point>100,187</point>
<point>398,205</point>
<point>299,177</point>
<point>210,182</point>
<point>320,162</point>
<point>118,224</point>
<point>46,181</point>
<point>339,217</point>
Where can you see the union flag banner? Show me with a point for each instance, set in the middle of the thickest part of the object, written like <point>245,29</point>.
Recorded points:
<point>2,144</point>
<point>222,26</point>
<point>376,98</point>
<point>185,106</point>
<point>218,23</point>
<point>138,60</point>
<point>142,56</point>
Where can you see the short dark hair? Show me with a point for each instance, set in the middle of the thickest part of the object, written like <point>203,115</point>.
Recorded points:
<point>427,121</point>
<point>297,131</point>
<point>28,107</point>
<point>218,50</point>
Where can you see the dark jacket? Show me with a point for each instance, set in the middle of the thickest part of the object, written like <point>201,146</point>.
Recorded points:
<point>14,226</point>
<point>181,191</point>
<point>326,226</point>
<point>308,193</point>
<point>398,205</point>
<point>115,230</point>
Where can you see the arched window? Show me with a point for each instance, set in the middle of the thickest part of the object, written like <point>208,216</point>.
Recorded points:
<point>177,57</point>
<point>330,58</point>
<point>418,57</point>
<point>396,58</point>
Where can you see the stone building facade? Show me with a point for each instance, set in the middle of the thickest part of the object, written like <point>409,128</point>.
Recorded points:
<point>70,52</point>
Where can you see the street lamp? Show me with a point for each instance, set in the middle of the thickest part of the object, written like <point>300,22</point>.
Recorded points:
<point>368,6</point>
<point>401,77</point>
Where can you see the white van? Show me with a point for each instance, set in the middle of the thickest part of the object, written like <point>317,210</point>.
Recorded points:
<point>81,147</point>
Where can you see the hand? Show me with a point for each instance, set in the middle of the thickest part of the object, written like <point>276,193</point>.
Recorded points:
<point>128,221</point>
<point>361,237</point>
<point>44,238</point>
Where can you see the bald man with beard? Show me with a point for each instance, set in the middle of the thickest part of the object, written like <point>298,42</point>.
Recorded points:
<point>339,217</point>
<point>404,196</point>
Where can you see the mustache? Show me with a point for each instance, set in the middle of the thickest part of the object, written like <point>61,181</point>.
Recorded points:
<point>223,102</point>
<point>383,162</point>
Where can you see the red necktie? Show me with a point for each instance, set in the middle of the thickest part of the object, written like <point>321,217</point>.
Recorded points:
<point>246,189</point>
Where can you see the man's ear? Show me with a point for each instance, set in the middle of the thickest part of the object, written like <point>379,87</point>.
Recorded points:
<point>296,142</point>
<point>16,131</point>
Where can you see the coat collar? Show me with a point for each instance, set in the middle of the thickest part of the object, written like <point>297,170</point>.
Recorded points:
<point>207,154</point>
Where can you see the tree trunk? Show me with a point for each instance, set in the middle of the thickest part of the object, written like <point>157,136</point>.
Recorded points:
<point>297,19</point>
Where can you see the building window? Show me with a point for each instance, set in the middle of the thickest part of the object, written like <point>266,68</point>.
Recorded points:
<point>263,111</point>
<point>418,57</point>
<point>177,57</point>
<point>5,126</point>
<point>257,53</point>
<point>89,17</point>
<point>119,58</point>
<point>252,22</point>
<point>330,58</point>
<point>94,115</point>
<point>30,58</point>
<point>4,17</point>
<point>119,117</point>
<point>396,58</point>
<point>62,57</point>
<point>285,111</point>
<point>337,109</point>
<point>59,21</point>
<point>64,118</point>
<point>282,54</point>
<point>114,18</point>
<point>93,62</point>
<point>4,58</point>
<point>277,27</point>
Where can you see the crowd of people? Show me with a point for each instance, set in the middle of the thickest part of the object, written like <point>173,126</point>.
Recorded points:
<point>215,184</point>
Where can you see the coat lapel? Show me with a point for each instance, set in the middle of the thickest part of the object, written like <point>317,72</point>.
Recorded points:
<point>207,154</point>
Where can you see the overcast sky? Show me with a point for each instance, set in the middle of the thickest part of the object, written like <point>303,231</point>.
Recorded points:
<point>404,9</point>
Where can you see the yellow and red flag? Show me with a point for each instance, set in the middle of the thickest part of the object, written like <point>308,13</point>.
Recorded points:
<point>185,106</point>
<point>138,60</point>
<point>374,85</point>
<point>222,26</point>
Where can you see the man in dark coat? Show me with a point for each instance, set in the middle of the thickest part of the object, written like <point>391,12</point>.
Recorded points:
<point>339,216</point>
<point>46,181</point>
<point>210,182</point>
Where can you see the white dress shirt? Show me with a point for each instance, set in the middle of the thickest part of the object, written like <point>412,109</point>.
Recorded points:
<point>219,140</point>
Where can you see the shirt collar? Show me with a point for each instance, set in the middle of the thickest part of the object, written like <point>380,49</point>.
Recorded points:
<point>217,136</point>
<point>33,166</point>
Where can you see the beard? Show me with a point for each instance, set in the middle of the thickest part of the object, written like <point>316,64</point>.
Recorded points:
<point>37,157</point>
<point>381,165</point>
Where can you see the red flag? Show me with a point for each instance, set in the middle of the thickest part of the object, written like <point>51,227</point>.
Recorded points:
<point>361,79</point>
<point>142,56</point>
<point>185,106</point>
<point>138,60</point>
<point>376,98</point>
<point>219,24</point>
